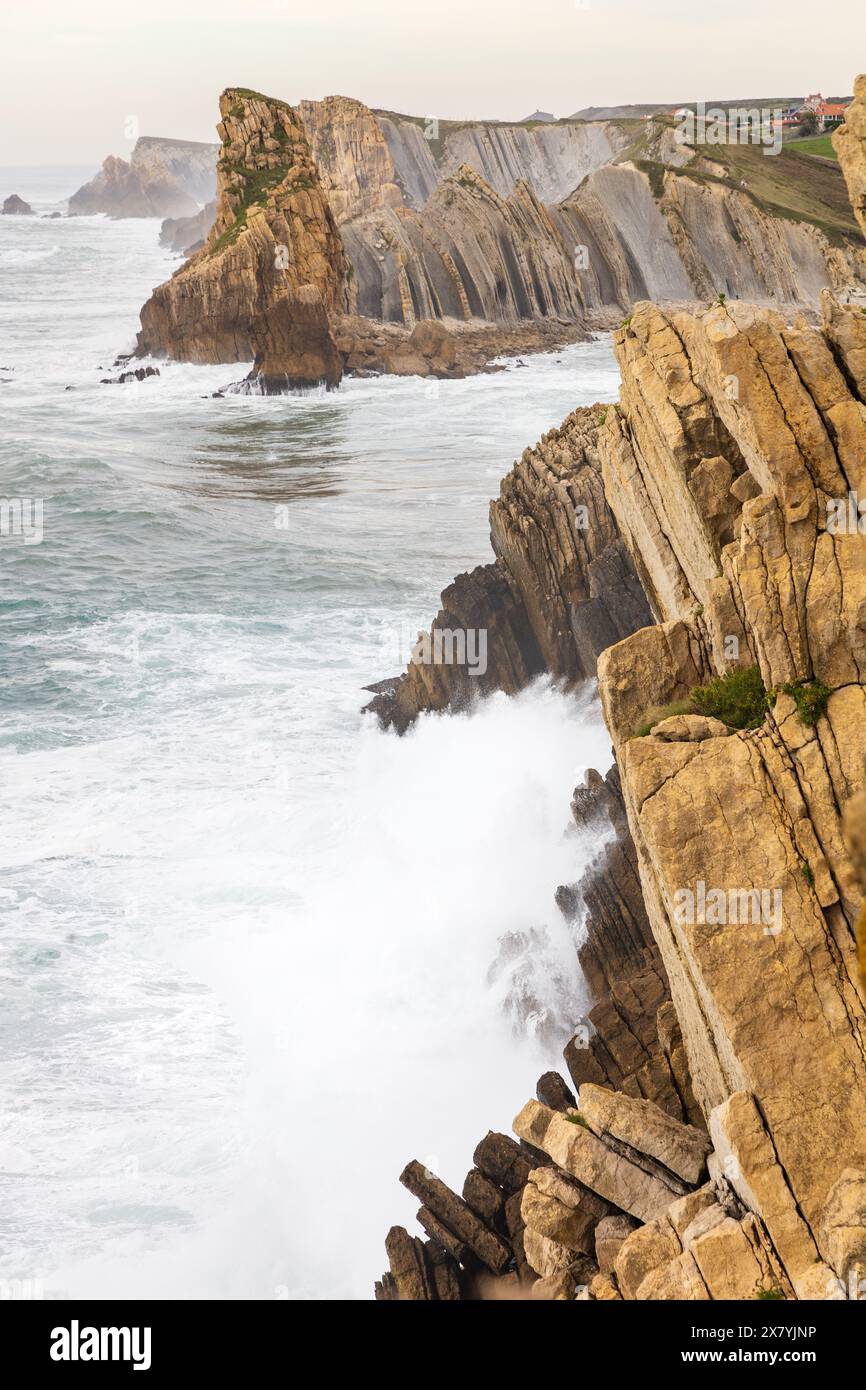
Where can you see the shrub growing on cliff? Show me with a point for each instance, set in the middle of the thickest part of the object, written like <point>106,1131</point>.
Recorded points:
<point>739,698</point>
<point>810,697</point>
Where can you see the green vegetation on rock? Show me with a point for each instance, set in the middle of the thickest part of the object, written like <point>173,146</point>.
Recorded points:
<point>810,697</point>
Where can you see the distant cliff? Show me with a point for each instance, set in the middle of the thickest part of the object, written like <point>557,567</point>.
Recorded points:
<point>163,178</point>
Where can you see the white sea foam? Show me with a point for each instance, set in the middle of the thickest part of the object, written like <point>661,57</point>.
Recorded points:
<point>246,937</point>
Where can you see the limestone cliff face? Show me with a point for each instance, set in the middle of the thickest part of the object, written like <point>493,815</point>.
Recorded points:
<point>737,431</point>
<point>849,141</point>
<point>272,269</point>
<point>714,1147</point>
<point>510,223</point>
<point>163,178</point>
<point>562,589</point>
<point>352,156</point>
<point>484,225</point>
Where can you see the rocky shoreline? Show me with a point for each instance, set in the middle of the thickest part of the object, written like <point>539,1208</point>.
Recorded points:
<point>685,546</point>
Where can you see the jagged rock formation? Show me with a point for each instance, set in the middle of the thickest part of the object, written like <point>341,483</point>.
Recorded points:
<point>15,206</point>
<point>272,268</point>
<point>726,497</point>
<point>561,589</point>
<point>163,178</point>
<point>737,435</point>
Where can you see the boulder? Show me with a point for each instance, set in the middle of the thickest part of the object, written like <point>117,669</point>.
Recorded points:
<point>646,1250</point>
<point>610,1233</point>
<point>645,1127</point>
<point>587,1158</point>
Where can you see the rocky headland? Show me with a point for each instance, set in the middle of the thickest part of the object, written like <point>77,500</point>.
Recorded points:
<point>698,547</point>
<point>162,178</point>
<point>505,237</point>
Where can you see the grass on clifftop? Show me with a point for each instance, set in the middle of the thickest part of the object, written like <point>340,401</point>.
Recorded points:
<point>817,144</point>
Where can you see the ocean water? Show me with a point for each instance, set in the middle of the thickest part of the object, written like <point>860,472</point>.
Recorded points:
<point>249,944</point>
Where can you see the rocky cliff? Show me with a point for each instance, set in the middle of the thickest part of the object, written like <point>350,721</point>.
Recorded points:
<point>496,229</point>
<point>163,178</point>
<point>272,270</point>
<point>714,1144</point>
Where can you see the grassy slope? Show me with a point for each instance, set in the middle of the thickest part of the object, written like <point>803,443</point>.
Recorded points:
<point>791,183</point>
<point>817,144</point>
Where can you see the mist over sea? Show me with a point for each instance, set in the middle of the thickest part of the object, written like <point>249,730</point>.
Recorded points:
<point>246,938</point>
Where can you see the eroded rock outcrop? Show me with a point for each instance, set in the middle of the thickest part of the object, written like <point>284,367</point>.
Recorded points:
<point>561,590</point>
<point>738,434</point>
<point>494,230</point>
<point>272,269</point>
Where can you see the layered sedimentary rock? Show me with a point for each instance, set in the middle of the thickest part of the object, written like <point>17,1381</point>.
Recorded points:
<point>738,433</point>
<point>734,471</point>
<point>498,229</point>
<point>272,269</point>
<point>163,178</point>
<point>561,590</point>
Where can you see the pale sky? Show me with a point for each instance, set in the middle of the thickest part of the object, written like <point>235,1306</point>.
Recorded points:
<point>74,72</point>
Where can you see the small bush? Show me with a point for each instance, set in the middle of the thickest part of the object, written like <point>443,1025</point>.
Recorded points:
<point>739,698</point>
<point>769,1295</point>
<point>810,697</point>
<point>577,1120</point>
<point>806,871</point>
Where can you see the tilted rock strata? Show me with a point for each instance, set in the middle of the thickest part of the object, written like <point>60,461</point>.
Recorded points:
<point>478,225</point>
<point>723,493</point>
<point>272,269</point>
<point>561,590</point>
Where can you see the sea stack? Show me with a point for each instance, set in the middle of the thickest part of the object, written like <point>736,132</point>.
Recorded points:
<point>16,206</point>
<point>272,269</point>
